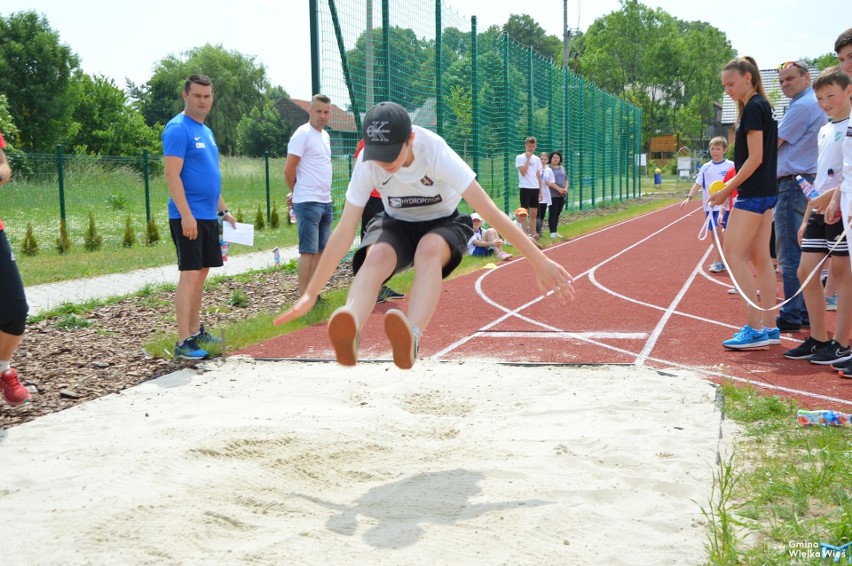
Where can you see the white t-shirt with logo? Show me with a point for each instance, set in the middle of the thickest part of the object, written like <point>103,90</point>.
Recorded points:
<point>707,175</point>
<point>530,180</point>
<point>830,143</point>
<point>313,174</point>
<point>430,188</point>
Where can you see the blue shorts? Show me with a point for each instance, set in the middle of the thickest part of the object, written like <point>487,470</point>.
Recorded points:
<point>758,205</point>
<point>724,222</point>
<point>313,220</point>
<point>715,221</point>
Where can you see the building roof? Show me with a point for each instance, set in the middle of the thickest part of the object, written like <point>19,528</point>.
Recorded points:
<point>338,120</point>
<point>769,77</point>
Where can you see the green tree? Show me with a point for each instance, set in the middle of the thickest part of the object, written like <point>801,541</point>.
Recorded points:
<point>239,84</point>
<point>35,75</point>
<point>106,124</point>
<point>669,68</point>
<point>526,31</point>
<point>262,130</point>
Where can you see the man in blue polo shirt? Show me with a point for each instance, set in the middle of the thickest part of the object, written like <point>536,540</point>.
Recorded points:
<point>191,159</point>
<point>797,155</point>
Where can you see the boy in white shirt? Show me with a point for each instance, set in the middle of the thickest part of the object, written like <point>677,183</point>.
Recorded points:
<point>421,181</point>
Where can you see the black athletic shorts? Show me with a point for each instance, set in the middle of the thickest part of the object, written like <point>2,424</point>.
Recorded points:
<point>529,198</point>
<point>404,236</point>
<point>204,251</point>
<point>13,302</point>
<point>820,237</point>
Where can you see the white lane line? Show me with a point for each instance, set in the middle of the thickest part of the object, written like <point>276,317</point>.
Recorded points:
<point>569,335</point>
<point>664,320</point>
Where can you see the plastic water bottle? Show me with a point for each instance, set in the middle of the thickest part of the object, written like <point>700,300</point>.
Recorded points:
<point>292,216</point>
<point>824,418</point>
<point>807,188</point>
<point>226,246</point>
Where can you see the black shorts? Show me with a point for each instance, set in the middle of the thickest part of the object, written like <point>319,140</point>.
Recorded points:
<point>404,236</point>
<point>13,302</point>
<point>204,251</point>
<point>529,198</point>
<point>820,237</point>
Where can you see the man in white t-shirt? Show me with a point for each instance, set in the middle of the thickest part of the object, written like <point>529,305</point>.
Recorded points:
<point>529,179</point>
<point>308,174</point>
<point>421,181</point>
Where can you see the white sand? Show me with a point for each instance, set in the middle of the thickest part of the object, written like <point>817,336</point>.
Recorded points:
<point>291,463</point>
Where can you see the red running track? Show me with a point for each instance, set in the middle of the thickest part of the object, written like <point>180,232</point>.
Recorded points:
<point>643,297</point>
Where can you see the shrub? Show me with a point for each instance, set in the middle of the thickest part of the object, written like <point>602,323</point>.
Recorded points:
<point>63,242</point>
<point>129,233</point>
<point>92,241</point>
<point>239,298</point>
<point>274,220</point>
<point>152,233</point>
<point>117,201</point>
<point>259,220</point>
<point>240,217</point>
<point>30,246</point>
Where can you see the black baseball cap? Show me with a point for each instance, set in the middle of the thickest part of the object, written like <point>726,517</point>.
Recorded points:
<point>386,127</point>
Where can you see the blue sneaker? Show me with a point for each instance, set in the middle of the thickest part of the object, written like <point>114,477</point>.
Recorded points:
<point>746,338</point>
<point>189,350</point>
<point>774,334</point>
<point>831,303</point>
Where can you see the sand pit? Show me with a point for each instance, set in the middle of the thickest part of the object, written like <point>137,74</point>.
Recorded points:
<point>312,463</point>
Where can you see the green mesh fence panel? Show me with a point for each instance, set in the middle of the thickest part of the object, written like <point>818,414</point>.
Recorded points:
<point>482,91</point>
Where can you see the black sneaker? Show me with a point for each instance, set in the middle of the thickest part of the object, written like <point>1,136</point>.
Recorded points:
<point>832,353</point>
<point>204,337</point>
<point>806,349</point>
<point>842,366</point>
<point>389,293</point>
<point>787,326</point>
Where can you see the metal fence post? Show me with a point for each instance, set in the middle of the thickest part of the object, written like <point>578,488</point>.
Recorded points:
<point>268,196</point>
<point>61,171</point>
<point>506,123</point>
<point>439,72</point>
<point>146,176</point>
<point>474,92</point>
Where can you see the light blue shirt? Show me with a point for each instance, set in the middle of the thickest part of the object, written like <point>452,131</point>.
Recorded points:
<point>799,128</point>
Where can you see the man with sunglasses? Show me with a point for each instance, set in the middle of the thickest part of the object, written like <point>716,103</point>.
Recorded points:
<point>797,155</point>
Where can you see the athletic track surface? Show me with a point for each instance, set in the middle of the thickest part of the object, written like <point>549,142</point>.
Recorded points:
<point>643,296</point>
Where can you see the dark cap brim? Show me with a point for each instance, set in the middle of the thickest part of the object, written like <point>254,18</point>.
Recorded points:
<point>386,153</point>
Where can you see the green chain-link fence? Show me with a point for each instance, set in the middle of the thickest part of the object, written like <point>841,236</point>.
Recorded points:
<point>480,90</point>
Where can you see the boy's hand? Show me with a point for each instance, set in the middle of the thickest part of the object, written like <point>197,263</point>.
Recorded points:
<point>553,277</point>
<point>832,212</point>
<point>299,309</point>
<point>686,200</point>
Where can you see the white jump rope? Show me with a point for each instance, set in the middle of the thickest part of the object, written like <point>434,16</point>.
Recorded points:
<point>702,235</point>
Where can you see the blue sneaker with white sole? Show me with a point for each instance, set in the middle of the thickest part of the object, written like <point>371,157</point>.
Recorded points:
<point>189,350</point>
<point>774,334</point>
<point>746,338</point>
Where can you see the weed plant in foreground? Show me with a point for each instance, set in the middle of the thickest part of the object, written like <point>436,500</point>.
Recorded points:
<point>786,492</point>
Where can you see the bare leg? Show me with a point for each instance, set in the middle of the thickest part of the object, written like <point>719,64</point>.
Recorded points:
<point>842,275</point>
<point>745,229</point>
<point>379,264</point>
<point>814,299</point>
<point>431,256</point>
<point>307,265</point>
<point>8,345</point>
<point>533,216</point>
<point>190,289</point>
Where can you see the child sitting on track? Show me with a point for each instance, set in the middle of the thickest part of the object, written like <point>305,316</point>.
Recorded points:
<point>485,241</point>
<point>421,180</point>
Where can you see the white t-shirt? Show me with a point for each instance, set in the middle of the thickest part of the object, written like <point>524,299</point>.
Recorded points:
<point>313,174</point>
<point>846,186</point>
<point>830,142</point>
<point>530,180</point>
<point>709,173</point>
<point>546,177</point>
<point>430,188</point>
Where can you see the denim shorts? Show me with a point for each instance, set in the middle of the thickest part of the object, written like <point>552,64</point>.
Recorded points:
<point>758,205</point>
<point>313,220</point>
<point>715,222</point>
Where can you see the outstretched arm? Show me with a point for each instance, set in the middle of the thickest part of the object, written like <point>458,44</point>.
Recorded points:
<point>338,245</point>
<point>549,274</point>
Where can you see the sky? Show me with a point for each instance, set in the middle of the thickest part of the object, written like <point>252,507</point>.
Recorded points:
<point>120,40</point>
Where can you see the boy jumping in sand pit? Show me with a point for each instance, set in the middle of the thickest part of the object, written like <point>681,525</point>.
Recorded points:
<point>421,181</point>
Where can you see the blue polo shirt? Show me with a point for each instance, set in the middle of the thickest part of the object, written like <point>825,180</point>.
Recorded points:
<point>193,142</point>
<point>799,128</point>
